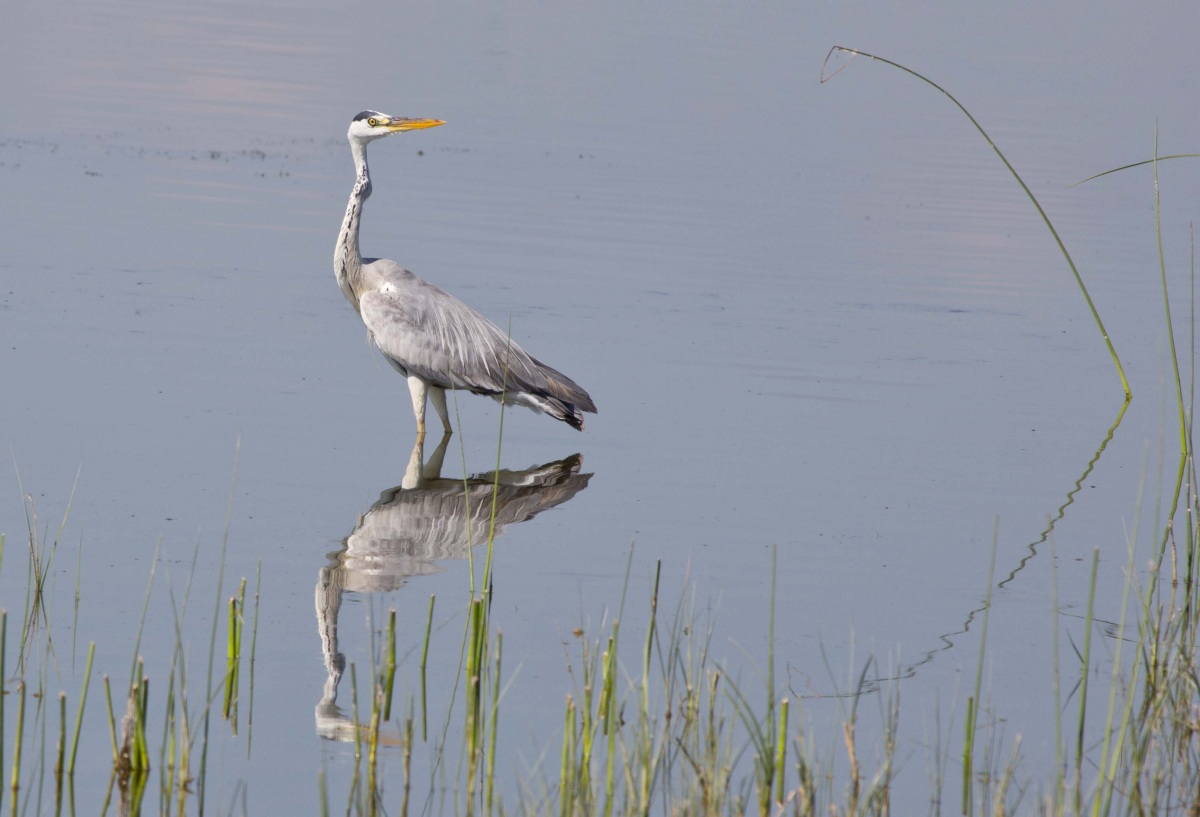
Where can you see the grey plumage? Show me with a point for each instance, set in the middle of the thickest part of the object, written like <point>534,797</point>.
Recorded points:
<point>428,335</point>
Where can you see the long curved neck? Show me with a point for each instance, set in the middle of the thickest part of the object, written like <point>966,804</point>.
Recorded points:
<point>347,260</point>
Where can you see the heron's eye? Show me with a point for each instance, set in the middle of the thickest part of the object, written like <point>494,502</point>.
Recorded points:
<point>372,121</point>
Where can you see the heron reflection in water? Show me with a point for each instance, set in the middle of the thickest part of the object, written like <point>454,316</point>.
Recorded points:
<point>433,339</point>
<point>425,519</point>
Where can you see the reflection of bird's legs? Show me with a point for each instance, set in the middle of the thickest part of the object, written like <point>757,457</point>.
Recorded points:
<point>419,471</point>
<point>418,388</point>
<point>412,474</point>
<point>438,395</point>
<point>433,468</point>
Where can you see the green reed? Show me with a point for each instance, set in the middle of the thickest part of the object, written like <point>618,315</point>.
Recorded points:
<point>408,745</point>
<point>3,667</point>
<point>38,751</point>
<point>1020,181</point>
<point>253,655</point>
<point>388,681</point>
<point>424,664</point>
<point>233,654</point>
<point>767,734</point>
<point>973,702</point>
<point>18,738</point>
<point>87,678</point>
<point>668,737</point>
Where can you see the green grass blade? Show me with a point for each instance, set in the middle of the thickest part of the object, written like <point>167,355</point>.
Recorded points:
<point>3,668</point>
<point>253,654</point>
<point>1155,160</point>
<point>60,763</point>
<point>20,730</point>
<point>968,801</point>
<point>212,638</point>
<point>389,665</point>
<point>1032,198</point>
<point>1058,742</point>
<point>87,677</point>
<point>1089,622</point>
<point>493,726</point>
<point>424,661</point>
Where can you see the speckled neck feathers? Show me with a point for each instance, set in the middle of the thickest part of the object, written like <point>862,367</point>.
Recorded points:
<point>347,259</point>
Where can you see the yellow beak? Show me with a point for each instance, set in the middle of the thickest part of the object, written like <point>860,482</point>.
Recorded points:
<point>398,125</point>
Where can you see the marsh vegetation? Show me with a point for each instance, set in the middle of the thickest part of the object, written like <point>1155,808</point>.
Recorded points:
<point>654,718</point>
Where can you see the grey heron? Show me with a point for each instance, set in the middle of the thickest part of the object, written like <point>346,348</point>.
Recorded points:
<point>433,339</point>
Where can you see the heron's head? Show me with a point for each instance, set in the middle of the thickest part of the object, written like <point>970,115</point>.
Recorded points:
<point>371,125</point>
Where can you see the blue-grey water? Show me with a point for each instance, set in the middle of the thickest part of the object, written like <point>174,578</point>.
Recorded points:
<point>818,319</point>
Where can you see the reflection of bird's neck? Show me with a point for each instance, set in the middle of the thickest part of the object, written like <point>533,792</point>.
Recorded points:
<point>347,259</point>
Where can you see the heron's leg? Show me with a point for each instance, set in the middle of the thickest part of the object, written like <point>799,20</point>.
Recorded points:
<point>438,395</point>
<point>418,388</point>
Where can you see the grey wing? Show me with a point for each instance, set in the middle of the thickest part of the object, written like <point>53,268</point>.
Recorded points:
<point>433,335</point>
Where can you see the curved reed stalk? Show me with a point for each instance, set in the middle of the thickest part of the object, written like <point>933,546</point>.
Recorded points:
<point>1041,212</point>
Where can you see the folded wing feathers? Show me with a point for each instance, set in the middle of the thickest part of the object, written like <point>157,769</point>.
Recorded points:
<point>435,336</point>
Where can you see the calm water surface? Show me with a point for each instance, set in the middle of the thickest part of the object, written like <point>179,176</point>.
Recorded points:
<point>816,318</point>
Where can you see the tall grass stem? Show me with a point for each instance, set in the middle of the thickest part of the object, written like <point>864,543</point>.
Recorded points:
<point>1032,198</point>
